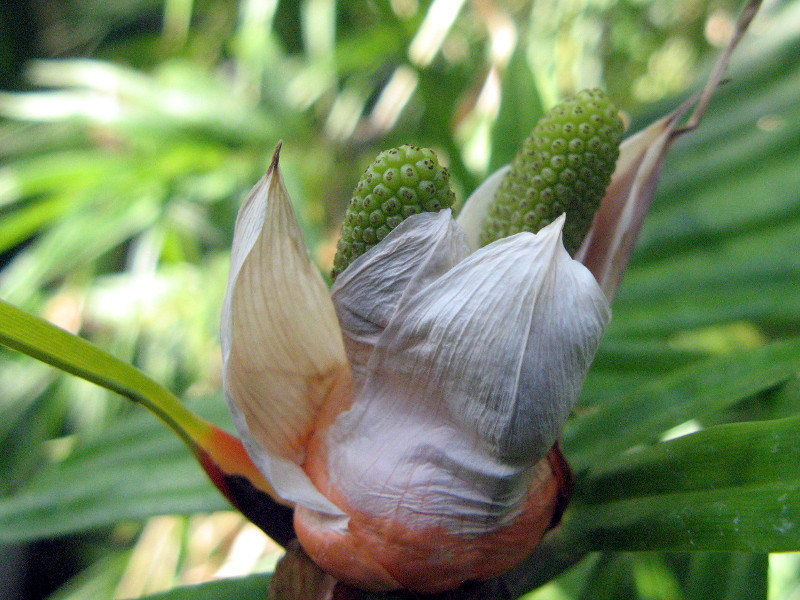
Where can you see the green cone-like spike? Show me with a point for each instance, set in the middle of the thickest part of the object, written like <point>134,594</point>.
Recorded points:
<point>565,165</point>
<point>401,182</point>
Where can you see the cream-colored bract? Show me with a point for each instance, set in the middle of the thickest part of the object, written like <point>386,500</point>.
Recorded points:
<point>459,367</point>
<point>283,357</point>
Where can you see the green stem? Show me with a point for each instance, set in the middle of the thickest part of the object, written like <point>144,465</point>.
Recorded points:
<point>221,455</point>
<point>44,341</point>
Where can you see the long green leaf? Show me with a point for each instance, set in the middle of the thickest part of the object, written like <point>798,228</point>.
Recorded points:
<point>730,488</point>
<point>37,338</point>
<point>682,395</point>
<point>759,519</point>
<point>221,455</point>
<point>753,454</point>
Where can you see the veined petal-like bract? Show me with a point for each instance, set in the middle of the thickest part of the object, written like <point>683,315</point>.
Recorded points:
<point>410,416</point>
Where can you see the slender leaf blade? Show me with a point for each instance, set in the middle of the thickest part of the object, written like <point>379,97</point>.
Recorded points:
<point>728,456</point>
<point>761,519</point>
<point>136,469</point>
<point>730,488</point>
<point>668,401</point>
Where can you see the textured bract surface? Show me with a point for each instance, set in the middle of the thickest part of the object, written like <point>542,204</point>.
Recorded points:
<point>409,409</point>
<point>401,182</point>
<point>564,166</point>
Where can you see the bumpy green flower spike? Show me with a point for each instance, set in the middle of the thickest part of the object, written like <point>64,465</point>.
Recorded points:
<point>565,165</point>
<point>401,182</point>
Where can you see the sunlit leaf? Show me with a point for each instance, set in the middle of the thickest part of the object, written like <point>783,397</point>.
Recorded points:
<point>665,402</point>
<point>729,488</point>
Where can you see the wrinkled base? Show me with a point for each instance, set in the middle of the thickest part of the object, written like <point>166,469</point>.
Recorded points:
<point>383,554</point>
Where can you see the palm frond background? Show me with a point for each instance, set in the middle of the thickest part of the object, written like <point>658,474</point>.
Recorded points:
<point>130,131</point>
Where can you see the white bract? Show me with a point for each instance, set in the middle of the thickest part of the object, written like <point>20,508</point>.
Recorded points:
<point>410,415</point>
<point>447,375</point>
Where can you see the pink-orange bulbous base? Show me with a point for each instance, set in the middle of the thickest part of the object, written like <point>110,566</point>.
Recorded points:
<point>384,554</point>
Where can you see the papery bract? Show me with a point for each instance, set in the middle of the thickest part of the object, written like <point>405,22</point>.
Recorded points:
<point>284,366</point>
<point>426,421</point>
<point>475,369</point>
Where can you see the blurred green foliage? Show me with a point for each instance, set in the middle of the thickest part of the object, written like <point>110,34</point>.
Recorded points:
<point>130,130</point>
